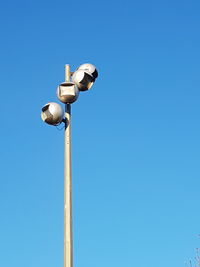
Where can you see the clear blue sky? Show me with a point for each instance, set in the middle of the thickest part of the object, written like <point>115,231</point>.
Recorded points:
<point>136,148</point>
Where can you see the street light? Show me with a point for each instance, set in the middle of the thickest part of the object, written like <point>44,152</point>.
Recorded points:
<point>83,79</point>
<point>67,92</point>
<point>52,113</point>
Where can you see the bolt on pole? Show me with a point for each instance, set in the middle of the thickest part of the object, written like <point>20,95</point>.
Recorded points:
<point>68,243</point>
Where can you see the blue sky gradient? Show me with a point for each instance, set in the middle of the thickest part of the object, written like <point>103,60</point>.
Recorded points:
<point>136,148</point>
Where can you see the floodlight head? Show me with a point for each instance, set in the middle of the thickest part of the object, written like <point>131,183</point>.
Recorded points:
<point>67,92</point>
<point>52,113</point>
<point>83,79</point>
<point>89,68</point>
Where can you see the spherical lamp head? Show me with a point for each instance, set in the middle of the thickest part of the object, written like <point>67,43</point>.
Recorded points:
<point>52,113</point>
<point>89,68</point>
<point>83,79</point>
<point>67,92</point>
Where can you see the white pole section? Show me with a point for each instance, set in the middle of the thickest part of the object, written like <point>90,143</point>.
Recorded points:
<point>68,243</point>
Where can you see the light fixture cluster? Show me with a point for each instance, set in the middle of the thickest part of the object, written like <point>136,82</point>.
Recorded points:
<point>68,92</point>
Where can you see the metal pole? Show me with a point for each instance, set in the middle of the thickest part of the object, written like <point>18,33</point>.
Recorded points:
<point>68,244</point>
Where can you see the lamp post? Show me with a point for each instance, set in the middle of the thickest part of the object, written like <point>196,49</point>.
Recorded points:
<point>52,113</point>
<point>68,239</point>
